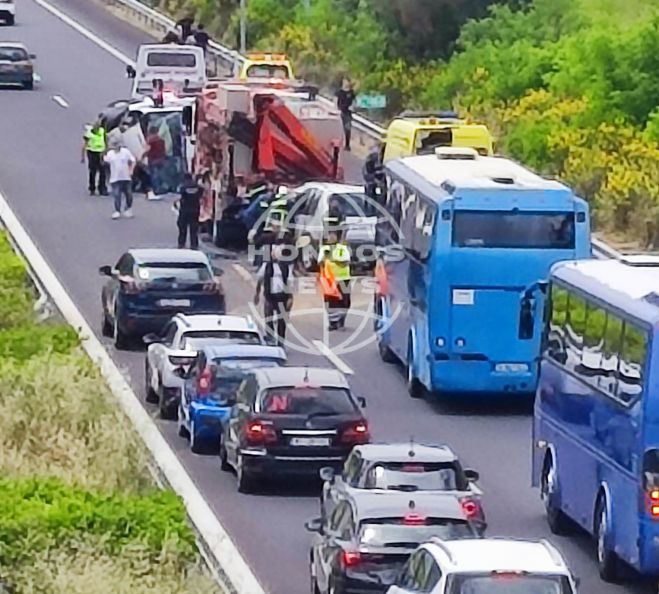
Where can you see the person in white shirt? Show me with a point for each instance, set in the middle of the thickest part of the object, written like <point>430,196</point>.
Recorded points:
<point>122,164</point>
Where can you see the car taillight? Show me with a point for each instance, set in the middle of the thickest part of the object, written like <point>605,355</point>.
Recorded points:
<point>350,558</point>
<point>204,382</point>
<point>471,508</point>
<point>260,433</point>
<point>414,520</point>
<point>653,503</point>
<point>356,434</point>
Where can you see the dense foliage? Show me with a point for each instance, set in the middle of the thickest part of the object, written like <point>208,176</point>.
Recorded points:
<point>79,512</point>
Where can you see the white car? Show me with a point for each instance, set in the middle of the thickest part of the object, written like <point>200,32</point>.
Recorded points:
<point>311,220</point>
<point>487,566</point>
<point>7,12</point>
<point>177,346</point>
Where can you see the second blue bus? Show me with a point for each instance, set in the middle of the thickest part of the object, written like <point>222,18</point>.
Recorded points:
<point>464,245</point>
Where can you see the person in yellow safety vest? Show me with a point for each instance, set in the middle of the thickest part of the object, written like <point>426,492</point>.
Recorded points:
<point>334,271</point>
<point>93,147</point>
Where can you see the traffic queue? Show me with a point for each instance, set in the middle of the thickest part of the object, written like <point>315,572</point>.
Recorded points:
<point>393,517</point>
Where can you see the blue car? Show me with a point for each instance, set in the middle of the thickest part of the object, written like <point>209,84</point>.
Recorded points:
<point>210,387</point>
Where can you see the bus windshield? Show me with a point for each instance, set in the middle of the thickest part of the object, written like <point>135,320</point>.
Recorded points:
<point>513,230</point>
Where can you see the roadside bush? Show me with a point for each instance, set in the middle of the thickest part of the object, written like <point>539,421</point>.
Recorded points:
<point>27,340</point>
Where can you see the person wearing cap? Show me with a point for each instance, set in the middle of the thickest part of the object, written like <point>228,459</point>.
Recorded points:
<point>93,148</point>
<point>274,279</point>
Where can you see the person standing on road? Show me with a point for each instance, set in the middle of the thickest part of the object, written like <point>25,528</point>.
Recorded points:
<point>334,263</point>
<point>93,147</point>
<point>122,164</point>
<point>188,212</point>
<point>155,153</point>
<point>275,278</point>
<point>345,97</point>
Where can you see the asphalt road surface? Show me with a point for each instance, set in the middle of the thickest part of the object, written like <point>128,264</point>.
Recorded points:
<point>41,176</point>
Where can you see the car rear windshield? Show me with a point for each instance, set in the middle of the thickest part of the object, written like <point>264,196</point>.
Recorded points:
<point>13,54</point>
<point>228,375</point>
<point>520,230</point>
<point>267,71</point>
<point>400,535</point>
<point>413,476</point>
<point>307,401</point>
<point>163,273</point>
<point>352,205</point>
<point>508,583</point>
<point>198,339</point>
<point>171,60</point>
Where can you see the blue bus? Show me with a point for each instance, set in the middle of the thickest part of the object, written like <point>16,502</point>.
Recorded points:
<point>596,422</point>
<point>463,246</point>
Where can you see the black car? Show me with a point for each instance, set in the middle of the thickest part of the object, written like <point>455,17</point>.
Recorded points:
<point>362,546</point>
<point>149,286</point>
<point>292,421</point>
<point>405,467</point>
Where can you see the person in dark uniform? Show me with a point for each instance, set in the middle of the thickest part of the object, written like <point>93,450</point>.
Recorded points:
<point>188,211</point>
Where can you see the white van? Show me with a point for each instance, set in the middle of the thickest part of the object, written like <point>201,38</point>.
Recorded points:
<point>182,69</point>
<point>7,12</point>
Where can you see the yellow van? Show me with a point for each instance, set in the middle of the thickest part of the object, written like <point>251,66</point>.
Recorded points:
<point>414,133</point>
<point>266,65</point>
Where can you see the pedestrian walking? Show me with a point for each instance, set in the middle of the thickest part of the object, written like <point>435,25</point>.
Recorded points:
<point>155,154</point>
<point>345,97</point>
<point>334,265</point>
<point>188,212</point>
<point>274,279</point>
<point>93,146</point>
<point>122,164</point>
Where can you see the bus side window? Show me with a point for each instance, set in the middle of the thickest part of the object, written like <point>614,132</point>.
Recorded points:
<point>394,208</point>
<point>591,358</point>
<point>555,340</point>
<point>631,370</point>
<point>575,329</point>
<point>611,355</point>
<point>651,469</point>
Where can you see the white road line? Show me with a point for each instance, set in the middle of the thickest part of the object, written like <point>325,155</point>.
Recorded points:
<point>86,32</point>
<point>244,274</point>
<point>60,101</point>
<point>215,537</point>
<point>332,357</point>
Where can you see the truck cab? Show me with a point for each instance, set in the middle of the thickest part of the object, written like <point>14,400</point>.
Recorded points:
<point>182,69</point>
<point>266,66</point>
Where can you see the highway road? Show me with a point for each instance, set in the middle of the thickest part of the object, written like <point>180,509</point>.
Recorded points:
<point>42,178</point>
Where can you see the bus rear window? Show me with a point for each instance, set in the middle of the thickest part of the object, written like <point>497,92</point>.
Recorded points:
<point>513,230</point>
<point>171,60</point>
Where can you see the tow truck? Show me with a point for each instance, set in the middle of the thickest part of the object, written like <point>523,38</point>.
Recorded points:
<point>261,65</point>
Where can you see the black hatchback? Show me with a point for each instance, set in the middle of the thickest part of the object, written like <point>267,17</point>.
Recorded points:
<point>291,421</point>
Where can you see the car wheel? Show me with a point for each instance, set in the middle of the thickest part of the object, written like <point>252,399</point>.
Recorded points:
<point>245,481</point>
<point>182,431</point>
<point>195,442</point>
<point>607,561</point>
<point>121,339</point>
<point>151,394</point>
<point>224,458</point>
<point>168,412</point>
<point>414,386</point>
<point>11,20</point>
<point>558,522</point>
<point>314,584</point>
<point>106,326</point>
<point>334,589</point>
<point>28,85</point>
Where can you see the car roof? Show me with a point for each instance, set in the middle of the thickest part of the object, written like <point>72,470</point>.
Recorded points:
<point>273,377</point>
<point>400,452</point>
<point>500,554</point>
<point>168,255</point>
<point>13,44</point>
<point>217,322</point>
<point>396,504</point>
<point>334,188</point>
<point>244,351</point>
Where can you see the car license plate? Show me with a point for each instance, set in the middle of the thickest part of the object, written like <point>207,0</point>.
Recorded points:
<point>310,441</point>
<point>6,67</point>
<point>174,303</point>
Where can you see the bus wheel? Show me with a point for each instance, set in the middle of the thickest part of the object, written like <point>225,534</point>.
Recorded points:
<point>607,561</point>
<point>558,522</point>
<point>414,386</point>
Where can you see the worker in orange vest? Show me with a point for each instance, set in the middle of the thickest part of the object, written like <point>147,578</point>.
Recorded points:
<point>334,268</point>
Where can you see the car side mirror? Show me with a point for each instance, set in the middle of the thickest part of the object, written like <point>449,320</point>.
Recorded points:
<point>327,474</point>
<point>151,339</point>
<point>362,401</point>
<point>33,56</point>
<point>130,72</point>
<point>315,525</point>
<point>471,475</point>
<point>105,271</point>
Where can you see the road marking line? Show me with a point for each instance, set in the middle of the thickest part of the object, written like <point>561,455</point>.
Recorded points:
<point>215,537</point>
<point>332,357</point>
<point>86,32</point>
<point>60,101</point>
<point>244,274</point>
